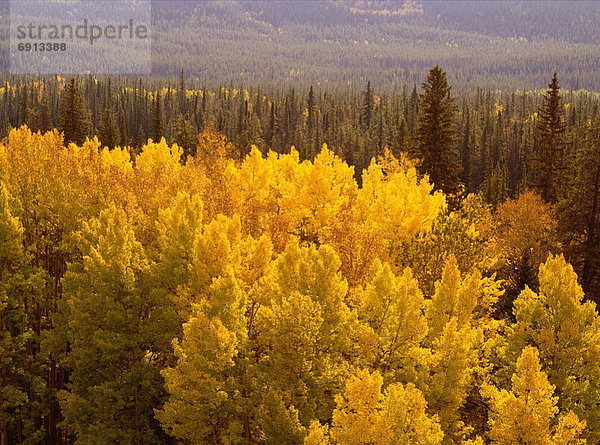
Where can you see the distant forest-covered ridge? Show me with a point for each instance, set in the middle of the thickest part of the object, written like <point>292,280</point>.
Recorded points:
<point>507,45</point>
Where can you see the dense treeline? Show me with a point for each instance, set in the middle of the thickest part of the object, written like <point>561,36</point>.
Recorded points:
<point>221,286</point>
<point>503,142</point>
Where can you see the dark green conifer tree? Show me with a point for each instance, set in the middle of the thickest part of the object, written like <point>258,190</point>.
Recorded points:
<point>580,213</point>
<point>436,133</point>
<point>367,107</point>
<point>73,115</point>
<point>108,131</point>
<point>158,130</point>
<point>548,162</point>
<point>44,120</point>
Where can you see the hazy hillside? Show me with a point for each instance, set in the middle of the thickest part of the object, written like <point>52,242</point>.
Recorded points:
<point>488,44</point>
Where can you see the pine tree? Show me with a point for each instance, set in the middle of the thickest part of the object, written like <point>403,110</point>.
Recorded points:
<point>273,127</point>
<point>466,152</point>
<point>412,111</point>
<point>495,187</point>
<point>549,162</point>
<point>580,213</point>
<point>436,133</point>
<point>366,113</point>
<point>158,130</point>
<point>181,92</point>
<point>401,141</point>
<point>310,122</point>
<point>31,110</point>
<point>44,119</point>
<point>73,115</point>
<point>251,134</point>
<point>108,132</point>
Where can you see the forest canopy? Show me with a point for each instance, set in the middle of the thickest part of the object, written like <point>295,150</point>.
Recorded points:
<point>266,299</point>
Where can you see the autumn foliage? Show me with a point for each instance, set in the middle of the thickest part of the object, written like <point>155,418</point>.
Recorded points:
<point>273,300</point>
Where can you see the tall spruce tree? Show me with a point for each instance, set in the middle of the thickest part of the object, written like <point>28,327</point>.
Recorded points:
<point>108,131</point>
<point>580,214</point>
<point>548,161</point>
<point>44,120</point>
<point>158,129</point>
<point>73,115</point>
<point>436,133</point>
<point>367,107</point>
<point>310,120</point>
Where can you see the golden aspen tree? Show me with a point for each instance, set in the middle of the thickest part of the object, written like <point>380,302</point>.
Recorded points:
<point>453,361</point>
<point>178,226</point>
<point>279,422</point>
<point>201,407</point>
<point>256,196</point>
<point>406,407</point>
<point>367,416</point>
<point>221,244</point>
<point>314,272</point>
<point>464,234</point>
<point>306,356</point>
<point>317,434</point>
<point>215,248</point>
<point>392,306</point>
<point>159,157</point>
<point>291,331</point>
<point>455,337</point>
<point>211,388</point>
<point>323,190</point>
<point>223,266</point>
<point>397,205</point>
<point>110,332</point>
<point>358,418</point>
<point>214,157</point>
<point>468,299</point>
<point>566,331</point>
<point>156,180</point>
<point>524,235</point>
<point>20,370</point>
<point>528,413</point>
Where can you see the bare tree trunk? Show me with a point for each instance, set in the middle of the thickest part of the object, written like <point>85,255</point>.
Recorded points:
<point>3,435</point>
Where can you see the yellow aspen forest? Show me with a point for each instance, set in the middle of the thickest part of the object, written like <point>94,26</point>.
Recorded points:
<point>225,298</point>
